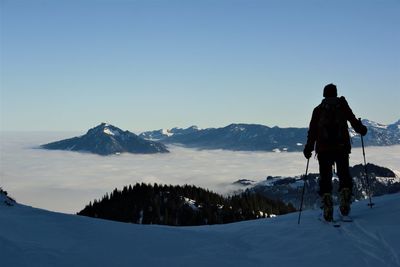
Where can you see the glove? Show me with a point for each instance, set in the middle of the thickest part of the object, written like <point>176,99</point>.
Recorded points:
<point>363,130</point>
<point>307,151</point>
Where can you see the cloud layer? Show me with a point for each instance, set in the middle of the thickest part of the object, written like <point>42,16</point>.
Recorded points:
<point>66,181</point>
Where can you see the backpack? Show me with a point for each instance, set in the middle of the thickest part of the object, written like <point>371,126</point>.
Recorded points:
<point>332,124</point>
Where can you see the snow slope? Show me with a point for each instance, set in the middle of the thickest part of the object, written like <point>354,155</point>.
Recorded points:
<point>35,237</point>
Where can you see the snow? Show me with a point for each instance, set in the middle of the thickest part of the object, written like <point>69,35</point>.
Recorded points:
<point>110,132</point>
<point>191,203</point>
<point>35,237</point>
<point>375,124</point>
<point>353,133</point>
<point>166,132</point>
<point>298,184</point>
<point>239,129</point>
<point>387,180</point>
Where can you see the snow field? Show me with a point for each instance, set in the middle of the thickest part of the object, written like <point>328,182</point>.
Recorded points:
<point>34,237</point>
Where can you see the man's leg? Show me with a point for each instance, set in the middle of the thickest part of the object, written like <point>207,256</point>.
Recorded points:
<point>325,184</point>
<point>345,182</point>
<point>325,173</point>
<point>343,172</point>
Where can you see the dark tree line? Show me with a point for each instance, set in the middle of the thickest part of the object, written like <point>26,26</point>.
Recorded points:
<point>6,199</point>
<point>181,205</point>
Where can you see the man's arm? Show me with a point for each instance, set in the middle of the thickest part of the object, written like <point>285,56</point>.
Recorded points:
<point>313,130</point>
<point>312,135</point>
<point>356,124</point>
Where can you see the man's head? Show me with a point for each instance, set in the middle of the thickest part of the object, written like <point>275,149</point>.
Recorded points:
<point>330,90</point>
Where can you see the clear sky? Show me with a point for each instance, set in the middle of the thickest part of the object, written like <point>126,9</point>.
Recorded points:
<point>143,65</point>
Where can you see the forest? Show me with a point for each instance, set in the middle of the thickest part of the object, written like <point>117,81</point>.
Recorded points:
<point>181,206</point>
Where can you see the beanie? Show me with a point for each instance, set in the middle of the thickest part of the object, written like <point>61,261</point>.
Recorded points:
<point>330,90</point>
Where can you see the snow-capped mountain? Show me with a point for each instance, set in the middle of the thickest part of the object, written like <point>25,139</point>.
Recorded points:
<point>378,134</point>
<point>251,137</point>
<point>255,137</point>
<point>165,133</point>
<point>106,139</point>
<point>34,237</point>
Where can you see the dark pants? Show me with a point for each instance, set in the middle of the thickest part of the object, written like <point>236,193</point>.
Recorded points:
<point>326,161</point>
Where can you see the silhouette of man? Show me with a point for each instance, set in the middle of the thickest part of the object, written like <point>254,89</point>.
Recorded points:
<point>328,134</point>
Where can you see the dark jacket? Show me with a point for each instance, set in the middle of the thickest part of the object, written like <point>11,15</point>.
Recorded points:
<point>315,130</point>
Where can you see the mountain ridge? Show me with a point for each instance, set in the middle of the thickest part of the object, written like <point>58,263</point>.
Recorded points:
<point>106,139</point>
<point>257,137</point>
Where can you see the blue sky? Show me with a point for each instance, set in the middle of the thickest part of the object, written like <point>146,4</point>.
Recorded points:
<point>142,65</point>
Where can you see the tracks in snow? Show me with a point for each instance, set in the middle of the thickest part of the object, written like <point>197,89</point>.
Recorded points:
<point>370,243</point>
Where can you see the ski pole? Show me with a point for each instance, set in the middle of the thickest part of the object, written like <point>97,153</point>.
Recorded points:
<point>302,193</point>
<point>370,204</point>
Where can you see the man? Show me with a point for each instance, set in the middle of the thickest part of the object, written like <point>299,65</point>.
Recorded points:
<point>328,134</point>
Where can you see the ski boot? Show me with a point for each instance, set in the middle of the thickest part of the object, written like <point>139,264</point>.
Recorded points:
<point>345,201</point>
<point>327,206</point>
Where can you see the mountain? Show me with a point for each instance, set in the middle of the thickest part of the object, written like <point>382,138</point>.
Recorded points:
<point>165,133</point>
<point>106,139</point>
<point>255,137</point>
<point>246,137</point>
<point>378,134</point>
<point>382,181</point>
<point>34,237</point>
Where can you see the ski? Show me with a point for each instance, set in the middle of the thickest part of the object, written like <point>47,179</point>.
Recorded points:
<point>334,223</point>
<point>346,218</point>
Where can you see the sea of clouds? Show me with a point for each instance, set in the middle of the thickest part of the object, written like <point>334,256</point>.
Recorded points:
<point>66,181</point>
